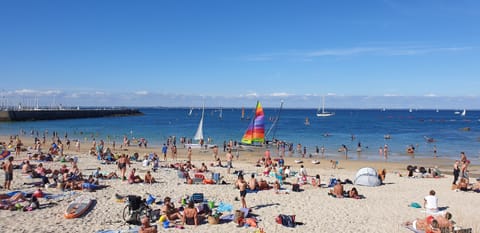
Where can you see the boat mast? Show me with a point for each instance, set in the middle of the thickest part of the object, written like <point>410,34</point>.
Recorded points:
<point>275,121</point>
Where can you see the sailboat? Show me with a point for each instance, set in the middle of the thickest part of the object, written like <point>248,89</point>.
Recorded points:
<point>323,113</point>
<point>463,113</point>
<point>243,114</point>
<point>199,134</point>
<point>190,112</point>
<point>220,115</point>
<point>270,135</point>
<point>255,133</point>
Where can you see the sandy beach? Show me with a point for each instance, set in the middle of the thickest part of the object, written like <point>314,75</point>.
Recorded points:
<point>383,209</point>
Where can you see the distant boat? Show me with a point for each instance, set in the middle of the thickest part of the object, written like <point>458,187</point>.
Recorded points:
<point>463,113</point>
<point>457,113</point>
<point>243,114</point>
<point>307,122</point>
<point>410,110</point>
<point>323,113</point>
<point>220,115</point>
<point>199,134</point>
<point>190,112</point>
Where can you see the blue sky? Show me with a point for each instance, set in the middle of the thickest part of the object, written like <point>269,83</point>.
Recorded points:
<point>378,53</point>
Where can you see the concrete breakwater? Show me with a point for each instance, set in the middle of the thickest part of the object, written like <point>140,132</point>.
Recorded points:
<point>56,114</point>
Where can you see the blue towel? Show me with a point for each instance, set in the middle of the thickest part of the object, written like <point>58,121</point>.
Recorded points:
<point>223,207</point>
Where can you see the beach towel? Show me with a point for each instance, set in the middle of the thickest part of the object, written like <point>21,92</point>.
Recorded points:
<point>415,205</point>
<point>224,207</point>
<point>59,196</point>
<point>410,227</point>
<point>133,230</point>
<point>227,218</point>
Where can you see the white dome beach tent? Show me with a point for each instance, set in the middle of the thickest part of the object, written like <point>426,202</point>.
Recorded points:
<point>367,176</point>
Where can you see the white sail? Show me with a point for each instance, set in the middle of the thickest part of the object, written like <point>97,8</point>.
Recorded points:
<point>323,113</point>
<point>464,112</point>
<point>199,133</point>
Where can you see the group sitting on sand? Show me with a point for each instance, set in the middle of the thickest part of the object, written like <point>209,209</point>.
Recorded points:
<point>189,215</point>
<point>339,192</point>
<point>422,172</point>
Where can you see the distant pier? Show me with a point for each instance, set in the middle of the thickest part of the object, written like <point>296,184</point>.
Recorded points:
<point>57,114</point>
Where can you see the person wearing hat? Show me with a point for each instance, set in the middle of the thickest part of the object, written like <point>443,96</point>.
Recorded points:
<point>146,227</point>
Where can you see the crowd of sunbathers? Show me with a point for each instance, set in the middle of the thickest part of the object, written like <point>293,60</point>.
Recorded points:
<point>64,177</point>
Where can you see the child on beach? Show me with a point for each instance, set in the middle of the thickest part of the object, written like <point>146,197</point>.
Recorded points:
<point>149,178</point>
<point>241,184</point>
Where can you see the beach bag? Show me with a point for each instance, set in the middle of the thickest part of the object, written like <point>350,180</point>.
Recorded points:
<point>286,220</point>
<point>134,201</point>
<point>296,187</point>
<point>197,197</point>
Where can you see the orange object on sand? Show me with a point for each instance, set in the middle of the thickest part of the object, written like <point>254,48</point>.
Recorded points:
<point>208,181</point>
<point>251,221</point>
<point>78,207</point>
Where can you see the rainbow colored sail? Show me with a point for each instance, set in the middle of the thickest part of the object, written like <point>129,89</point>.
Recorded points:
<point>256,129</point>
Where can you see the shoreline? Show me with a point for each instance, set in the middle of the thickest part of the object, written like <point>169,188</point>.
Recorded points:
<point>445,164</point>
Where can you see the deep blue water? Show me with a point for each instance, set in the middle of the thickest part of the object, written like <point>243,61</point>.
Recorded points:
<point>368,127</point>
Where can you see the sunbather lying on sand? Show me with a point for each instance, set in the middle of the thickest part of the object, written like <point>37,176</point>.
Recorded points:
<point>10,202</point>
<point>426,224</point>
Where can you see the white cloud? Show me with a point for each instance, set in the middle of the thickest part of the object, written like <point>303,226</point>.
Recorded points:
<point>30,92</point>
<point>141,93</point>
<point>390,95</point>
<point>404,50</point>
<point>280,94</point>
<point>341,52</point>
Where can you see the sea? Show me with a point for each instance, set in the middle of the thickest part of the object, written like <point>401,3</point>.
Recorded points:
<point>445,131</point>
